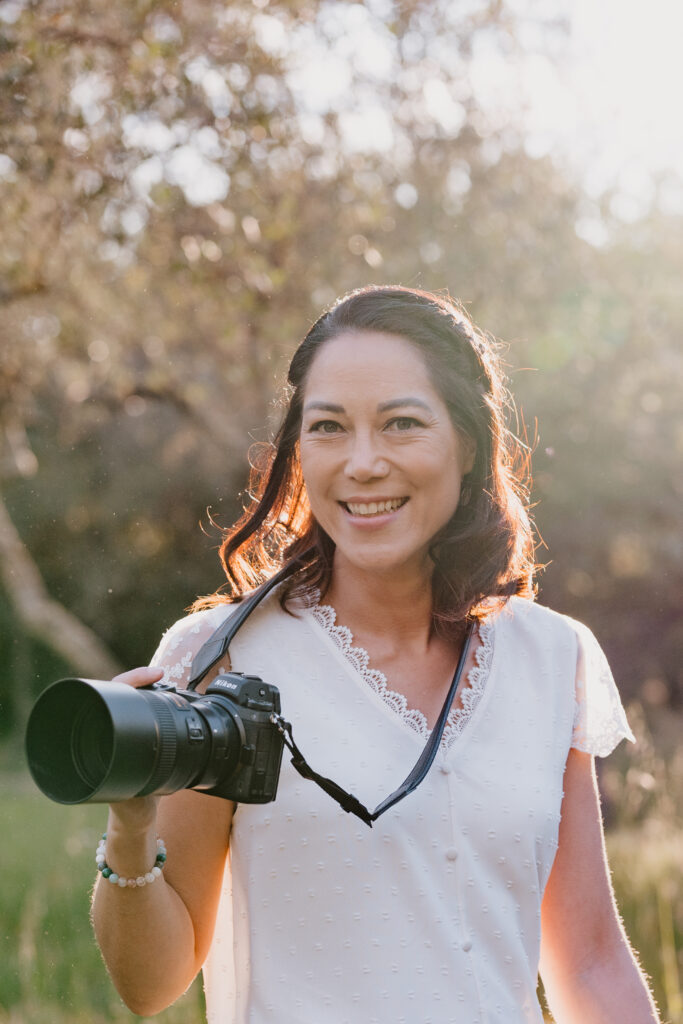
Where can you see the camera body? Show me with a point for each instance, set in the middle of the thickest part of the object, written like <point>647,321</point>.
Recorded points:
<point>250,777</point>
<point>94,741</point>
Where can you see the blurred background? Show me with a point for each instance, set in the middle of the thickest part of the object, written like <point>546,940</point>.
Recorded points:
<point>184,185</point>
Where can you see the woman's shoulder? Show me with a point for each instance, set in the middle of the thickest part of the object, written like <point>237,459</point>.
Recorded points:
<point>181,641</point>
<point>530,616</point>
<point>599,718</point>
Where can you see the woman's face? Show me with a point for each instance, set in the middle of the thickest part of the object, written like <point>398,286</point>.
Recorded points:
<point>381,459</point>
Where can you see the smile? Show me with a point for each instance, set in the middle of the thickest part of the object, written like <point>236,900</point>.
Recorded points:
<point>373,508</point>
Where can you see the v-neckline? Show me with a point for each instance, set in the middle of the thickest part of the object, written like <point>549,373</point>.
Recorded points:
<point>470,690</point>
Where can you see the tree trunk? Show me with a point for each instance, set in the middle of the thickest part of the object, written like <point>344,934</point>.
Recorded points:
<point>43,617</point>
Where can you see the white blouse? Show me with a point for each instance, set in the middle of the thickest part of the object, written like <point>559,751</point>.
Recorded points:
<point>433,915</point>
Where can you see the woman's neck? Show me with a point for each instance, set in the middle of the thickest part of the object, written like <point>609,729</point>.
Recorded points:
<point>396,606</point>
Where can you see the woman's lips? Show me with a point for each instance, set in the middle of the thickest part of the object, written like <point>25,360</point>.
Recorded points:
<point>373,508</point>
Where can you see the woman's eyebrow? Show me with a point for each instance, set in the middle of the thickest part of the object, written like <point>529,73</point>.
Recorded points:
<point>396,403</point>
<point>324,407</point>
<point>393,403</point>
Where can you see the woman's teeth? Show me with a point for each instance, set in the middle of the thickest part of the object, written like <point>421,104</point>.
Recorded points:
<point>374,508</point>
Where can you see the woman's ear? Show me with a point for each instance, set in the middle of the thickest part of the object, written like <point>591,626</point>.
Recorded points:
<point>469,455</point>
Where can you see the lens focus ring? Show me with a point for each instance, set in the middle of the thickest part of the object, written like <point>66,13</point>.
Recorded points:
<point>168,743</point>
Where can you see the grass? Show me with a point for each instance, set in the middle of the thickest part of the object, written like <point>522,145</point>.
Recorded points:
<point>51,971</point>
<point>646,869</point>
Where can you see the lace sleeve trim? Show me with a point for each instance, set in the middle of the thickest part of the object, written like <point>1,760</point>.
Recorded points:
<point>470,693</point>
<point>599,719</point>
<point>181,642</point>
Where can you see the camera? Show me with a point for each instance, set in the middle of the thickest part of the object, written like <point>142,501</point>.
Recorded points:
<point>92,741</point>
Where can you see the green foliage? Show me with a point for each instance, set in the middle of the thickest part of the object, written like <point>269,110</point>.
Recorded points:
<point>643,798</point>
<point>50,969</point>
<point>647,880</point>
<point>28,667</point>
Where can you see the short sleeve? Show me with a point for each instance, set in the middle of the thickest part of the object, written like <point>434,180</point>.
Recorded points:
<point>599,720</point>
<point>181,642</point>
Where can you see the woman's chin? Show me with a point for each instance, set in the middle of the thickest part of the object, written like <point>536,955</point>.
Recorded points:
<point>363,560</point>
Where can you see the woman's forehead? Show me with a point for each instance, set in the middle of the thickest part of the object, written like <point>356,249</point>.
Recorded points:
<point>362,358</point>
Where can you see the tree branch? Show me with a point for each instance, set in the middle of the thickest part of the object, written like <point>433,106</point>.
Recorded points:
<point>75,35</point>
<point>41,615</point>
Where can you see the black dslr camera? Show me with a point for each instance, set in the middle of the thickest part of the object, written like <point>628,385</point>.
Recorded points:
<point>88,740</point>
<point>94,741</point>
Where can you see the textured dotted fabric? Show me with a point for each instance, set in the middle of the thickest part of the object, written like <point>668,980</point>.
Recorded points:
<point>433,915</point>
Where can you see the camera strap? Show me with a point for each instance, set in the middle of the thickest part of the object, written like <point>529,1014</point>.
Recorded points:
<point>348,801</point>
<point>216,647</point>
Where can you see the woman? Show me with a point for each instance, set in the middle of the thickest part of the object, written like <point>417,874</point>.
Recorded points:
<point>393,479</point>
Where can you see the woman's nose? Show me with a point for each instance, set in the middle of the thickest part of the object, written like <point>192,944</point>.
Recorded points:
<point>366,460</point>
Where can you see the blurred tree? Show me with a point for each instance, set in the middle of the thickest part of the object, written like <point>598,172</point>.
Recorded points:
<point>184,185</point>
<point>609,400</point>
<point>115,262</point>
<point>172,213</point>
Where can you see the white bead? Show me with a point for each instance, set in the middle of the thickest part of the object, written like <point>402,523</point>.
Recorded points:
<point>122,883</point>
<point>113,878</point>
<point>156,871</point>
<point>140,880</point>
<point>149,877</point>
<point>100,859</point>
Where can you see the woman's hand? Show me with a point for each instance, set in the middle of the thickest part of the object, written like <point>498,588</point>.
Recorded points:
<point>139,676</point>
<point>137,815</point>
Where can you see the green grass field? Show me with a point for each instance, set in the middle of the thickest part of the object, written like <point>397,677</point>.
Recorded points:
<point>51,971</point>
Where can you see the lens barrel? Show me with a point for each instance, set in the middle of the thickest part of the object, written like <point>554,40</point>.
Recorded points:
<point>93,741</point>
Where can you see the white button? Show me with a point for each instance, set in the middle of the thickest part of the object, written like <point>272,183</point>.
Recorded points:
<point>466,946</point>
<point>452,853</point>
<point>445,769</point>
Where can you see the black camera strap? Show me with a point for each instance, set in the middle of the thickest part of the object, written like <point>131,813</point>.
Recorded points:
<point>348,801</point>
<point>216,647</point>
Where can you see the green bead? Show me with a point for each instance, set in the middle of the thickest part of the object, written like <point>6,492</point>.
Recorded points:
<point>106,871</point>
<point>161,858</point>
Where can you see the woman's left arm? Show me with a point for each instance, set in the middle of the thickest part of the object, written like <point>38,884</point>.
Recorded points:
<point>589,971</point>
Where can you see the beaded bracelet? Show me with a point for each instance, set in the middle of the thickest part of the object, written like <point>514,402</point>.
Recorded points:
<point>130,883</point>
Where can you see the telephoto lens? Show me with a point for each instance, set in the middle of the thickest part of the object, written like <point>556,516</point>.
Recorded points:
<point>93,741</point>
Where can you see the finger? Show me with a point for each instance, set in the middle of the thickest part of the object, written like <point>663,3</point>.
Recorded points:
<point>139,676</point>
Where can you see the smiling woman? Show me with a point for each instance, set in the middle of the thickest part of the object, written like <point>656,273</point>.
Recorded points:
<point>406,629</point>
<point>384,476</point>
<point>379,350</point>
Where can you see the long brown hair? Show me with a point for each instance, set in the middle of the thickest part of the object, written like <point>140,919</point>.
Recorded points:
<point>484,552</point>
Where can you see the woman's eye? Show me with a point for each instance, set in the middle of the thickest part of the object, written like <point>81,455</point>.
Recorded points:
<point>403,423</point>
<point>324,427</point>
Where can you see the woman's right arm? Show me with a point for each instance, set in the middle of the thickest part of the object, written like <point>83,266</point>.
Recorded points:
<point>155,938</point>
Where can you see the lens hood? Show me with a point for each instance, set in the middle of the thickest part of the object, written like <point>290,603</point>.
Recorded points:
<point>88,740</point>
